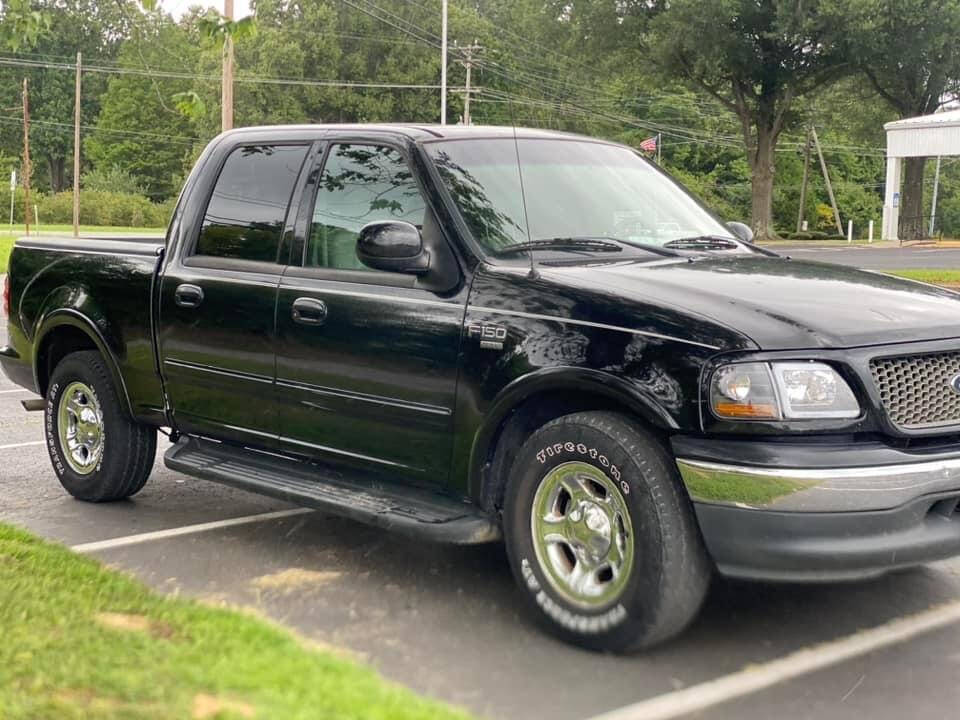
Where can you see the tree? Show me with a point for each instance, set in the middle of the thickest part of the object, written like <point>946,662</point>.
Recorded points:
<point>908,51</point>
<point>757,58</point>
<point>139,127</point>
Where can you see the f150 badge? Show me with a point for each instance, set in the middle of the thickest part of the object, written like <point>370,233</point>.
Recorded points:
<point>491,337</point>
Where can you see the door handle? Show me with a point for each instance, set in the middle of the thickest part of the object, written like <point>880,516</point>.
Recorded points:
<point>309,311</point>
<point>188,296</point>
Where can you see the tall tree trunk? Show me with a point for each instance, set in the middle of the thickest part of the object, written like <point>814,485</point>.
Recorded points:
<point>911,200</point>
<point>57,178</point>
<point>761,160</point>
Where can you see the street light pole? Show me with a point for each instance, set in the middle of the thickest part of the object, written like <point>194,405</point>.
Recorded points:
<point>443,66</point>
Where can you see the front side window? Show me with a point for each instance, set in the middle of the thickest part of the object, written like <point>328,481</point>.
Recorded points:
<point>360,184</point>
<point>572,189</point>
<point>247,210</point>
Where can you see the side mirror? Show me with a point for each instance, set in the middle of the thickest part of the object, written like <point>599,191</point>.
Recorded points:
<point>741,230</point>
<point>393,246</point>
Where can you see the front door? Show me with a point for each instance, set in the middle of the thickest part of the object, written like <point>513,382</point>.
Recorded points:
<point>366,361</point>
<point>217,301</point>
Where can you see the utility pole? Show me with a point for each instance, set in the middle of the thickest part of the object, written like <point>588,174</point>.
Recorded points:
<point>226,93</point>
<point>826,180</point>
<point>443,64</point>
<point>76,152</point>
<point>26,156</point>
<point>933,205</point>
<point>467,62</point>
<point>803,185</point>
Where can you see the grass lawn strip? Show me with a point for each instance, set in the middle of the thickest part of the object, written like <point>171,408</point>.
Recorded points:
<point>82,641</point>
<point>944,277</point>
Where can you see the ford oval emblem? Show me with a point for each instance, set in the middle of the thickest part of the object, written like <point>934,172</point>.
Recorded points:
<point>955,384</point>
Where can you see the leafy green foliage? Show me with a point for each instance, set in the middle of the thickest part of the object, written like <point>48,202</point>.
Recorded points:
<point>111,179</point>
<point>689,72</point>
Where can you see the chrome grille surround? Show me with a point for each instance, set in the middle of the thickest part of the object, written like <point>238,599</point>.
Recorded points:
<point>917,391</point>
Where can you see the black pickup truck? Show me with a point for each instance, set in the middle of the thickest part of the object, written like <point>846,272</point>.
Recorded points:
<point>473,333</point>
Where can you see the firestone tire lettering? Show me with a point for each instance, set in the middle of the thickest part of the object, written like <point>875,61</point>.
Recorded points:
<point>550,450</point>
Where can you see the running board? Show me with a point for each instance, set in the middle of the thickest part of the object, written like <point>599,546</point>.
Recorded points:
<point>399,508</point>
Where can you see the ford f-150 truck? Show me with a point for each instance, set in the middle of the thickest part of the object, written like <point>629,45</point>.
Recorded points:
<point>468,334</point>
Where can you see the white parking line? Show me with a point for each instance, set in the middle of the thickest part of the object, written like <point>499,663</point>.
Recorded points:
<point>185,530</point>
<point>23,444</point>
<point>808,660</point>
<point>18,390</point>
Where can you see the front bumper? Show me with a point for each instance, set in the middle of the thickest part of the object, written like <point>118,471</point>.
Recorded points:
<point>811,512</point>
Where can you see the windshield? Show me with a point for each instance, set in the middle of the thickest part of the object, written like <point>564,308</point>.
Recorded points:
<point>572,189</point>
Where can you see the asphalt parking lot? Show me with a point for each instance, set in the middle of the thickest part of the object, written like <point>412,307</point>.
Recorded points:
<point>443,620</point>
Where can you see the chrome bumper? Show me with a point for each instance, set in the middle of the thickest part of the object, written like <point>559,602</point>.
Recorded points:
<point>847,489</point>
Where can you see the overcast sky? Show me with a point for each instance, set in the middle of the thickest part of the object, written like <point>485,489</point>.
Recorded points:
<point>179,7</point>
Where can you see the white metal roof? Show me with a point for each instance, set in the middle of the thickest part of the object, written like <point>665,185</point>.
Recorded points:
<point>924,136</point>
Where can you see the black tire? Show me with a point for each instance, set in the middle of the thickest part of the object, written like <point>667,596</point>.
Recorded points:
<point>127,449</point>
<point>669,570</point>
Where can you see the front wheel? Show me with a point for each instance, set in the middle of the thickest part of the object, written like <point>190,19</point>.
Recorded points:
<point>601,536</point>
<point>98,452</point>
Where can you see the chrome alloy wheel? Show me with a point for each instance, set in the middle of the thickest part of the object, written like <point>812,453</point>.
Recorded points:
<point>582,534</point>
<point>80,428</point>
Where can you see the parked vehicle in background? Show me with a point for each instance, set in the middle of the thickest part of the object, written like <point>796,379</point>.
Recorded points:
<point>473,333</point>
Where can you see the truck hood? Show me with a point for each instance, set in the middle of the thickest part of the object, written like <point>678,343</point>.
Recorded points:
<point>781,303</point>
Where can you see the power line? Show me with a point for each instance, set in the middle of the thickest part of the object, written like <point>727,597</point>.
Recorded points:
<point>255,79</point>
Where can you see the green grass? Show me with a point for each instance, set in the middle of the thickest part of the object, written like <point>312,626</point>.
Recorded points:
<point>950,278</point>
<point>80,641</point>
<point>6,243</point>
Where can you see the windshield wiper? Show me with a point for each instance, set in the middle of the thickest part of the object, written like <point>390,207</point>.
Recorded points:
<point>702,242</point>
<point>563,243</point>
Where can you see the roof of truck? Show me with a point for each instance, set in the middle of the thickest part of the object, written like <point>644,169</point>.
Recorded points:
<point>422,131</point>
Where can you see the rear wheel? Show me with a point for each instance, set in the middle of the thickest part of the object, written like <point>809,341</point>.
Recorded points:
<point>601,536</point>
<point>98,452</point>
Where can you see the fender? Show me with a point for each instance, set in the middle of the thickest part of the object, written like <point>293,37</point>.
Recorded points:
<point>596,382</point>
<point>74,307</point>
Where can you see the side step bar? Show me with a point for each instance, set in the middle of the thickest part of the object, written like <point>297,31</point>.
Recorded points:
<point>400,508</point>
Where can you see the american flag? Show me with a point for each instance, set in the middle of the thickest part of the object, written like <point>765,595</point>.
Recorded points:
<point>649,145</point>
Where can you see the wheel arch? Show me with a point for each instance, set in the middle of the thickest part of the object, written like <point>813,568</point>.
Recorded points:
<point>67,330</point>
<point>533,400</point>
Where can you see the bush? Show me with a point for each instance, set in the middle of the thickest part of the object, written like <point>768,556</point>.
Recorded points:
<point>806,235</point>
<point>100,208</point>
<point>113,180</point>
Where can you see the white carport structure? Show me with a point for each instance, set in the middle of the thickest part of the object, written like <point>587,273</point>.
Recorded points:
<point>924,136</point>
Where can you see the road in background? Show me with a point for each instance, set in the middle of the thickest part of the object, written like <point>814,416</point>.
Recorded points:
<point>877,258</point>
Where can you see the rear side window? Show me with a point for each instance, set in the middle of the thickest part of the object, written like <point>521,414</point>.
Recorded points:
<point>246,213</point>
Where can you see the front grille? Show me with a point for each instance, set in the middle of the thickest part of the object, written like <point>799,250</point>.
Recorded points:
<point>917,390</point>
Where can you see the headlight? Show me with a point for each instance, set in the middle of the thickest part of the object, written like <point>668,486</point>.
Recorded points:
<point>775,391</point>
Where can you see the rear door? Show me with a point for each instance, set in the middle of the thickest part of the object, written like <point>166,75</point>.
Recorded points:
<point>366,361</point>
<point>218,298</point>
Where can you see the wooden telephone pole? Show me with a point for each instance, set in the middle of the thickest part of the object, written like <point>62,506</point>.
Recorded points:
<point>226,96</point>
<point>76,153</point>
<point>826,180</point>
<point>467,62</point>
<point>26,155</point>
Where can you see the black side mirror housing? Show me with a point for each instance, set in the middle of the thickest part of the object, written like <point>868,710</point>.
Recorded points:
<point>393,246</point>
<point>741,230</point>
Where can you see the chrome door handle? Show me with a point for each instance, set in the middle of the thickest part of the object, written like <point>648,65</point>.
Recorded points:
<point>309,311</point>
<point>188,296</point>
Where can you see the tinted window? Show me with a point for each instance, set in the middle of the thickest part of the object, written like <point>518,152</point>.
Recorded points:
<point>246,213</point>
<point>359,184</point>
